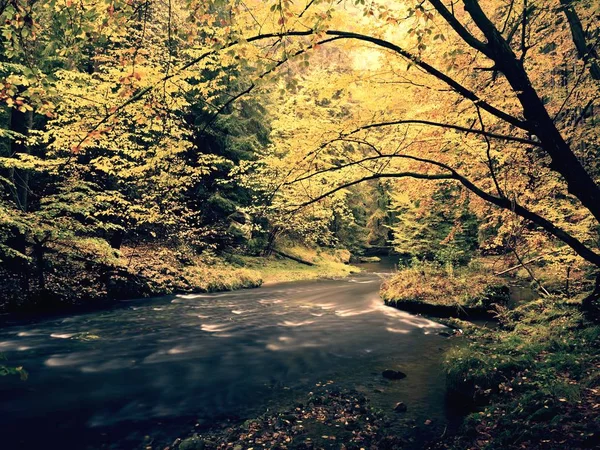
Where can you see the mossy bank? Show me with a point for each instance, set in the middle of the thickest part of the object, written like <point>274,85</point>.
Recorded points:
<point>533,382</point>
<point>432,290</point>
<point>148,270</point>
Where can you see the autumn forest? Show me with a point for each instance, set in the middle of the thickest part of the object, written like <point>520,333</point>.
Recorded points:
<point>410,188</point>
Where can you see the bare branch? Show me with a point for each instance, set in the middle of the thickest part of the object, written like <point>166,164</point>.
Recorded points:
<point>422,176</point>
<point>488,153</point>
<point>448,126</point>
<point>502,202</point>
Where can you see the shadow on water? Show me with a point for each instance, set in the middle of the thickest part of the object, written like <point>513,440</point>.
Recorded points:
<point>162,366</point>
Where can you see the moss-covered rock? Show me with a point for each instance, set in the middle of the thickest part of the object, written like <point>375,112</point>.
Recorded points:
<point>430,290</point>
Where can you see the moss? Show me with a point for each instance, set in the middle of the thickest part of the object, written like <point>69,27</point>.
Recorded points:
<point>429,289</point>
<point>537,376</point>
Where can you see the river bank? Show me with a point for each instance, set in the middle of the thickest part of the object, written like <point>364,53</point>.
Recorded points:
<point>431,290</point>
<point>150,271</point>
<point>529,378</point>
<point>531,382</point>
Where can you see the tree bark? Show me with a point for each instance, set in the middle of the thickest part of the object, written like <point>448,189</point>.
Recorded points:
<point>586,52</point>
<point>591,304</point>
<point>20,122</point>
<point>38,253</point>
<point>564,161</point>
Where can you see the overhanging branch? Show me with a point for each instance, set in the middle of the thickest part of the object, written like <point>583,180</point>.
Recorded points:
<point>579,247</point>
<point>480,132</point>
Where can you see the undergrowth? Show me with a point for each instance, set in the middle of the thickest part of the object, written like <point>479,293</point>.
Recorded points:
<point>432,284</point>
<point>534,381</point>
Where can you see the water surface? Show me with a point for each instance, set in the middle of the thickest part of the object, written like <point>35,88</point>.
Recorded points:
<point>160,367</point>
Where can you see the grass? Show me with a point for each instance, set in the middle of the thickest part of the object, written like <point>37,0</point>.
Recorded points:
<point>432,285</point>
<point>275,269</point>
<point>166,271</point>
<point>536,378</point>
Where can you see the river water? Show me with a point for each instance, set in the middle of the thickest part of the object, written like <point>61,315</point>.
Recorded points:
<point>160,367</point>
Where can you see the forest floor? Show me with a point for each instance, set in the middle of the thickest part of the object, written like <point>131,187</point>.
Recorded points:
<point>326,264</point>
<point>328,418</point>
<point>532,382</point>
<point>529,380</point>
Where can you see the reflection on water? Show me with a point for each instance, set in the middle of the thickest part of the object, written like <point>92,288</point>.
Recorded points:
<point>201,357</point>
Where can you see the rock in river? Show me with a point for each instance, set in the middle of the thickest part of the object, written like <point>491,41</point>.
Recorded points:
<point>400,407</point>
<point>393,374</point>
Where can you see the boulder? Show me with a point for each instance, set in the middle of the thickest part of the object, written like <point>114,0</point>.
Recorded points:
<point>393,374</point>
<point>400,407</point>
<point>192,443</point>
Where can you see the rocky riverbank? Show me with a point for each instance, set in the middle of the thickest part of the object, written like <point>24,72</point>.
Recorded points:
<point>326,419</point>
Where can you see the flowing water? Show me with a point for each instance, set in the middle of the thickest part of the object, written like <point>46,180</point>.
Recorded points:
<point>159,367</point>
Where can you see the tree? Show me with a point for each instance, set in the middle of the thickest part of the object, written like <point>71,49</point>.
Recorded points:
<point>79,170</point>
<point>510,43</point>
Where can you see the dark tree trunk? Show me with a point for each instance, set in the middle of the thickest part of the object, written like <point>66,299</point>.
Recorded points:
<point>20,122</point>
<point>19,243</point>
<point>116,239</point>
<point>271,241</point>
<point>591,304</point>
<point>585,51</point>
<point>564,161</point>
<point>38,254</point>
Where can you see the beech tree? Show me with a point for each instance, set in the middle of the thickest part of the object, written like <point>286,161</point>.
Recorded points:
<point>509,45</point>
<point>495,96</point>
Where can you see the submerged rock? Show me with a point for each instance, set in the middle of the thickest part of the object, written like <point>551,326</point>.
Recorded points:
<point>192,443</point>
<point>393,374</point>
<point>400,407</point>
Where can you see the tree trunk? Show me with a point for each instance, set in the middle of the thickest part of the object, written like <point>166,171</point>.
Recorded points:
<point>271,241</point>
<point>585,51</point>
<point>591,304</point>
<point>20,122</point>
<point>564,161</point>
<point>116,240</point>
<point>38,253</point>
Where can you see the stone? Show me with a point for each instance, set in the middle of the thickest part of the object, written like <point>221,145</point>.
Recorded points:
<point>400,407</point>
<point>393,374</point>
<point>192,443</point>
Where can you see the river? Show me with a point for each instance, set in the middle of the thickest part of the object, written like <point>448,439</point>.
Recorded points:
<point>160,367</point>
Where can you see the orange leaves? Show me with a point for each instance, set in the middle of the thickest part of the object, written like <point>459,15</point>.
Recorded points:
<point>94,134</point>
<point>129,79</point>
